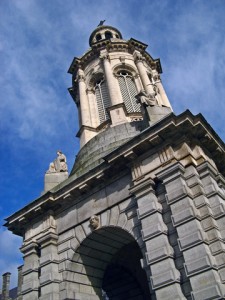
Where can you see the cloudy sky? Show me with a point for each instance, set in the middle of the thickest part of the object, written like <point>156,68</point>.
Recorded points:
<point>38,40</point>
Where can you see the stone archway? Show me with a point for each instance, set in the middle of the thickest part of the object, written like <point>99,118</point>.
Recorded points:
<point>109,262</point>
<point>124,277</point>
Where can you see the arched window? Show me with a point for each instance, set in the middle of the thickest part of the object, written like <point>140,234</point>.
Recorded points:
<point>98,37</point>
<point>108,35</point>
<point>128,91</point>
<point>102,98</point>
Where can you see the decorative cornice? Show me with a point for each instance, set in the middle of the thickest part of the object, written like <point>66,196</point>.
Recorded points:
<point>186,123</point>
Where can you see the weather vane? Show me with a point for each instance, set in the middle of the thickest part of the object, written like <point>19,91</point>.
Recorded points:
<point>101,23</point>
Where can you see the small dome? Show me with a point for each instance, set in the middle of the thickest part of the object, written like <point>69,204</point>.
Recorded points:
<point>103,32</point>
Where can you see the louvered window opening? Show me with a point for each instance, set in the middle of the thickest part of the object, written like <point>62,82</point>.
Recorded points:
<point>128,91</point>
<point>102,98</point>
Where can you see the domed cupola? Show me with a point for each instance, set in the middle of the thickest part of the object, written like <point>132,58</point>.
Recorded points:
<point>104,32</point>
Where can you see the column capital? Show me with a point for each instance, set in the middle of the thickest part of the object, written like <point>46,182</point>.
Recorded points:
<point>79,78</point>
<point>170,173</point>
<point>90,90</point>
<point>104,55</point>
<point>143,187</point>
<point>138,56</point>
<point>156,77</point>
<point>47,239</point>
<point>29,248</point>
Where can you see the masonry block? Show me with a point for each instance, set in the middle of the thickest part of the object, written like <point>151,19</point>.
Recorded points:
<point>191,240</point>
<point>159,254</point>
<point>163,279</point>
<point>154,230</point>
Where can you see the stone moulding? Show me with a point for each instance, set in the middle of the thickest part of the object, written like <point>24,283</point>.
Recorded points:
<point>195,126</point>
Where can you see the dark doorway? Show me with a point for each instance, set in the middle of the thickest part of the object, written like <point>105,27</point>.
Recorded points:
<point>124,278</point>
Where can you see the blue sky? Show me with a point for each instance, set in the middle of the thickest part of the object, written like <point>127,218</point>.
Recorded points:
<point>38,40</point>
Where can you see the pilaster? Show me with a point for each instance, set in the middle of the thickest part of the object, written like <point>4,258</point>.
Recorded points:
<point>49,274</point>
<point>214,218</point>
<point>117,110</point>
<point>158,262</point>
<point>193,240</point>
<point>84,105</point>
<point>142,72</point>
<point>30,271</point>
<point>112,84</point>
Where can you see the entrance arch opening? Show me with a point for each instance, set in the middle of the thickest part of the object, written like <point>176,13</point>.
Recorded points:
<point>109,265</point>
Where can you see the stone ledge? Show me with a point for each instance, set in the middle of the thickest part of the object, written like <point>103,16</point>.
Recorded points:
<point>153,230</point>
<point>191,240</point>
<point>149,209</point>
<point>64,246</point>
<point>218,210</point>
<point>184,216</point>
<point>177,194</point>
<point>49,258</point>
<point>49,278</point>
<point>212,292</point>
<point>29,286</point>
<point>198,265</point>
<point>52,296</point>
<point>159,254</point>
<point>217,247</point>
<point>166,278</point>
<point>29,268</point>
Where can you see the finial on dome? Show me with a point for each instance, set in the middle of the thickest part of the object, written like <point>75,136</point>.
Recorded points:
<point>101,23</point>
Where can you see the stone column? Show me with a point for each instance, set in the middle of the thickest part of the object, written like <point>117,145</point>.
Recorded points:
<point>112,83</point>
<point>49,273</point>
<point>165,100</point>
<point>30,271</point>
<point>158,263</point>
<point>5,285</point>
<point>138,83</point>
<point>117,109</point>
<point>193,241</point>
<point>84,105</point>
<point>93,107</point>
<point>213,219</point>
<point>148,86</point>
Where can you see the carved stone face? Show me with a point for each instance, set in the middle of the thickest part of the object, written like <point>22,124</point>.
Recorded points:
<point>94,222</point>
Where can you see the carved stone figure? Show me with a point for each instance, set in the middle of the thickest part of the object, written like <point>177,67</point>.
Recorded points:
<point>59,164</point>
<point>147,99</point>
<point>94,222</point>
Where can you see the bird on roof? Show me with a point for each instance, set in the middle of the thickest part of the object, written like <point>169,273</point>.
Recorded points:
<point>101,23</point>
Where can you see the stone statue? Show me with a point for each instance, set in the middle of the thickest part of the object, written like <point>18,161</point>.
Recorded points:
<point>59,164</point>
<point>147,99</point>
<point>94,222</point>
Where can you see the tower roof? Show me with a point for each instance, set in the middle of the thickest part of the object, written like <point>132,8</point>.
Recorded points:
<point>104,32</point>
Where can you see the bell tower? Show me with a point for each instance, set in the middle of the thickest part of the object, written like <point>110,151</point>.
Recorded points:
<point>142,213</point>
<point>108,78</point>
<point>116,86</point>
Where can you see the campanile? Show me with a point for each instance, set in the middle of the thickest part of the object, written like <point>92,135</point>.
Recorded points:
<point>141,215</point>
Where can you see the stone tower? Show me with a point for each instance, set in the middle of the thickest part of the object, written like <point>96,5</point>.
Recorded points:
<point>142,213</point>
